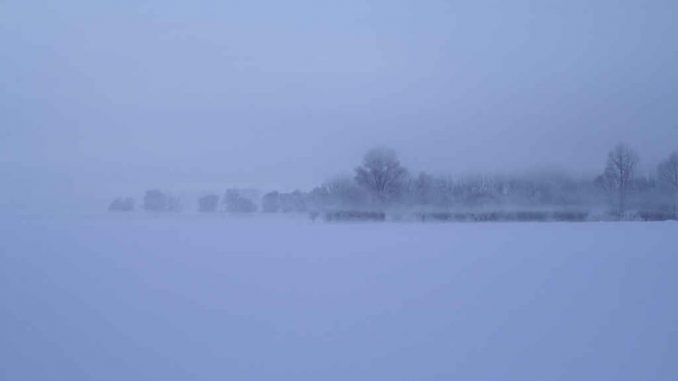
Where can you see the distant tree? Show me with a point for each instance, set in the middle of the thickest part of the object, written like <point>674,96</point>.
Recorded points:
<point>477,190</point>
<point>270,203</point>
<point>423,187</point>
<point>156,201</point>
<point>319,198</point>
<point>122,204</point>
<point>235,203</point>
<point>667,174</point>
<point>619,173</point>
<point>208,203</point>
<point>293,202</point>
<point>381,174</point>
<point>343,192</point>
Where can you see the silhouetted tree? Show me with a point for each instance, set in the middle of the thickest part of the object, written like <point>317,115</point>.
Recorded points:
<point>619,172</point>
<point>381,174</point>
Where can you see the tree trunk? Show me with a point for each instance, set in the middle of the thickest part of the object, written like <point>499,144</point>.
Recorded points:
<point>622,203</point>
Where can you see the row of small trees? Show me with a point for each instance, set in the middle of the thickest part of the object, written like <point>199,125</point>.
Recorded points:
<point>381,182</point>
<point>159,201</point>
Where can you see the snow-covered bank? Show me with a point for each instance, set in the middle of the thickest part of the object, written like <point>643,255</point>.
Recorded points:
<point>212,298</point>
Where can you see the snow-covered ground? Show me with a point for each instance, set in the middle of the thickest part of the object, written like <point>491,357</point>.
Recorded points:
<point>214,298</point>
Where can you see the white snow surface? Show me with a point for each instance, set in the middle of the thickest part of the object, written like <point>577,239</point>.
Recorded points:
<point>217,298</point>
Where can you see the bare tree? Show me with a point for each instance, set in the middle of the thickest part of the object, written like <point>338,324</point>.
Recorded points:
<point>381,173</point>
<point>667,173</point>
<point>619,172</point>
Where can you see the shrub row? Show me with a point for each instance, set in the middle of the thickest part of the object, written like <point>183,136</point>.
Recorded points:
<point>519,216</point>
<point>346,215</point>
<point>655,216</point>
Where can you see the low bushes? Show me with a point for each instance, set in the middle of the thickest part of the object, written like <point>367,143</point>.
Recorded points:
<point>655,216</point>
<point>354,216</point>
<point>570,216</point>
<point>503,216</point>
<point>475,216</point>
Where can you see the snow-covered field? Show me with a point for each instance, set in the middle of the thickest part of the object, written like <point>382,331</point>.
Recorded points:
<point>213,298</point>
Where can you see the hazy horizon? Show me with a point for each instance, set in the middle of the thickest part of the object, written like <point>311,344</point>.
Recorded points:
<point>289,94</point>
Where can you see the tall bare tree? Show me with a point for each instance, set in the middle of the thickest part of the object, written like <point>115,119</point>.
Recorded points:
<point>667,174</point>
<point>619,172</point>
<point>381,173</point>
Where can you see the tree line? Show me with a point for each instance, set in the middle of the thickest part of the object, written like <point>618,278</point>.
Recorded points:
<point>381,183</point>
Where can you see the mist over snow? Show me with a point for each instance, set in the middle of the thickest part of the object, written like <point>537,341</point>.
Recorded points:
<point>338,190</point>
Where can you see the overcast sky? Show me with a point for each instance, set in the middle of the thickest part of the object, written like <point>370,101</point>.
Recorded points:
<point>289,93</point>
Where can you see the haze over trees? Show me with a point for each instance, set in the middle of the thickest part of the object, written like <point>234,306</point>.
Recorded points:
<point>667,174</point>
<point>381,183</point>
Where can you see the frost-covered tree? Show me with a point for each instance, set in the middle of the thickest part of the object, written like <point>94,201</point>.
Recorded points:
<point>667,174</point>
<point>381,174</point>
<point>208,203</point>
<point>619,173</point>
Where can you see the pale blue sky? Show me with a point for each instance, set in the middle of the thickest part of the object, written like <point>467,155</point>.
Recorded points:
<point>292,92</point>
